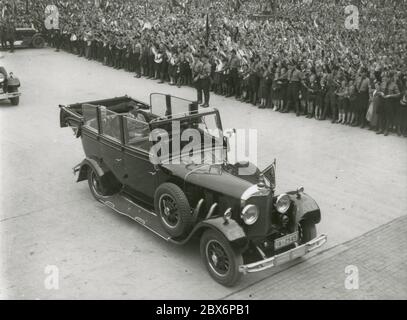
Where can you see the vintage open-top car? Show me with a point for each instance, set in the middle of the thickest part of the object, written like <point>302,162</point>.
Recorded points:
<point>29,37</point>
<point>140,164</point>
<point>9,87</point>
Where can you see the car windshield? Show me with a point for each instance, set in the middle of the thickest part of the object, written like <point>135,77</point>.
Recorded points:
<point>162,105</point>
<point>195,140</point>
<point>211,156</point>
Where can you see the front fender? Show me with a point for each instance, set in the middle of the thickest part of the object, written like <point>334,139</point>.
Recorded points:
<point>306,208</point>
<point>13,82</point>
<point>232,231</point>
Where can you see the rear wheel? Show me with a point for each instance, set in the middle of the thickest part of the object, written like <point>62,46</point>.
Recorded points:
<point>14,101</point>
<point>96,186</point>
<point>220,259</point>
<point>174,210</point>
<point>38,42</point>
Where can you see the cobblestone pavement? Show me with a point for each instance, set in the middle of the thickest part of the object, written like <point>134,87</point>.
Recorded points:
<point>378,259</point>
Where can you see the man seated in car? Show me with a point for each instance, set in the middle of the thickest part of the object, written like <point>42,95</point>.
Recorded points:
<point>138,131</point>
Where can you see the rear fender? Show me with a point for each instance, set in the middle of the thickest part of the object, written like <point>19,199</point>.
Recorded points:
<point>83,167</point>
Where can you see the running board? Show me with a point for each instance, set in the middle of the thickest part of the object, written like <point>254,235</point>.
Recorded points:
<point>148,219</point>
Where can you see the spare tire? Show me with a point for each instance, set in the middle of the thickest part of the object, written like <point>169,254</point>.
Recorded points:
<point>173,209</point>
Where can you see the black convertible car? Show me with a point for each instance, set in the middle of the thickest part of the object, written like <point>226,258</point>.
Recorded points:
<point>242,224</point>
<point>29,38</point>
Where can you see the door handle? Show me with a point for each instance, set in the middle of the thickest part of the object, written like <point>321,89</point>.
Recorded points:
<point>153,173</point>
<point>118,160</point>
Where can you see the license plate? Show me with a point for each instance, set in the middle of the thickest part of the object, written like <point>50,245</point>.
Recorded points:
<point>286,241</point>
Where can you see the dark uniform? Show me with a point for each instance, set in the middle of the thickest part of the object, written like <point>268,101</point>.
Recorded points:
<point>10,34</point>
<point>402,115</point>
<point>202,74</point>
<point>254,82</point>
<point>234,66</point>
<point>3,41</point>
<point>206,82</point>
<point>295,78</point>
<point>362,88</point>
<point>331,103</point>
<point>196,71</point>
<point>387,106</point>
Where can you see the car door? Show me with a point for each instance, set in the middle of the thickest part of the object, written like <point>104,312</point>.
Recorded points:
<point>88,129</point>
<point>141,173</point>
<point>111,143</point>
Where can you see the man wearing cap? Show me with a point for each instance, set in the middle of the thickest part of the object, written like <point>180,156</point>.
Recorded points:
<point>330,103</point>
<point>206,79</point>
<point>202,77</point>
<point>10,33</point>
<point>234,66</point>
<point>197,71</point>
<point>295,78</point>
<point>3,41</point>
<point>363,84</point>
<point>391,97</point>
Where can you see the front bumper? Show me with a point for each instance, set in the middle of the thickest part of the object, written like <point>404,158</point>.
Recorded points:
<point>9,95</point>
<point>285,257</point>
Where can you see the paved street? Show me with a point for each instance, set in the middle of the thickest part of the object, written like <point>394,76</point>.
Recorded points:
<point>377,263</point>
<point>46,219</point>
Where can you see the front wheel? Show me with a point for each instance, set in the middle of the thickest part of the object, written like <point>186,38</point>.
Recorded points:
<point>14,101</point>
<point>220,259</point>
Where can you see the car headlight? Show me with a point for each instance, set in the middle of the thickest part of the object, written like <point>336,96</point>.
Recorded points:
<point>283,203</point>
<point>250,214</point>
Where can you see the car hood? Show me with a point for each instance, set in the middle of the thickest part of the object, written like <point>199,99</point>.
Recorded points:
<point>214,178</point>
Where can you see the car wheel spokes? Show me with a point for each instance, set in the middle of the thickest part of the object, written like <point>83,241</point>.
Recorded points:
<point>169,210</point>
<point>217,258</point>
<point>96,184</point>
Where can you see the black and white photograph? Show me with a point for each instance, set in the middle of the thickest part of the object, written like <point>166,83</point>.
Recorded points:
<point>222,150</point>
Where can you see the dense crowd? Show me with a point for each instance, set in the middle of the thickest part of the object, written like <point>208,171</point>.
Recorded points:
<point>300,57</point>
